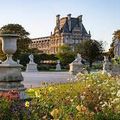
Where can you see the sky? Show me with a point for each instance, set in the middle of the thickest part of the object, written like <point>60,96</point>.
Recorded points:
<point>38,17</point>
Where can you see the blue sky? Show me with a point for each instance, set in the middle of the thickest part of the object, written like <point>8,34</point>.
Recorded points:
<point>101,17</point>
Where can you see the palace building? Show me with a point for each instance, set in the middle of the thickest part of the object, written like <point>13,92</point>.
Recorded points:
<point>68,30</point>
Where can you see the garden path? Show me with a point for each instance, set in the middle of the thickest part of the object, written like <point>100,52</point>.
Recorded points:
<point>34,79</point>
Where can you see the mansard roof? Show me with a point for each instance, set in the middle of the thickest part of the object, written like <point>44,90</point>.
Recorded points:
<point>64,27</point>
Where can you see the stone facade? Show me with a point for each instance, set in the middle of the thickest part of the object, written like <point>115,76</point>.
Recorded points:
<point>68,30</point>
<point>42,44</point>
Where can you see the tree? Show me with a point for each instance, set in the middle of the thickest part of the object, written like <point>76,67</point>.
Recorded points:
<point>64,49</point>
<point>23,40</point>
<point>65,54</point>
<point>89,50</point>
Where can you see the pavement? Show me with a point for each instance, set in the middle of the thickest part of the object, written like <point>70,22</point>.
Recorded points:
<point>35,79</point>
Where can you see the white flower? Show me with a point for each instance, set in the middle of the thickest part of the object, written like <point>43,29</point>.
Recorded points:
<point>103,105</point>
<point>113,93</point>
<point>112,88</point>
<point>118,93</point>
<point>82,97</point>
<point>115,100</point>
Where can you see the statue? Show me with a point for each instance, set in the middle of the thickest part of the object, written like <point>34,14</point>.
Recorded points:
<point>78,59</point>
<point>31,57</point>
<point>58,66</point>
<point>105,58</point>
<point>106,65</point>
<point>76,66</point>
<point>31,66</point>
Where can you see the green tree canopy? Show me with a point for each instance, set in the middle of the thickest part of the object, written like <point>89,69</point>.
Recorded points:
<point>23,40</point>
<point>65,54</point>
<point>65,48</point>
<point>90,50</point>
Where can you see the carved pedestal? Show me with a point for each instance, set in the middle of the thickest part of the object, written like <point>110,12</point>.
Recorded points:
<point>31,67</point>
<point>10,79</point>
<point>76,68</point>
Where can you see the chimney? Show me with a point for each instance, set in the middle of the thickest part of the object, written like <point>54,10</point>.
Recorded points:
<point>69,21</point>
<point>89,33</point>
<point>51,33</point>
<point>80,18</point>
<point>58,21</point>
<point>80,21</point>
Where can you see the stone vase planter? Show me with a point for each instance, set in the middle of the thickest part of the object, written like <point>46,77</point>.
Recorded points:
<point>10,71</point>
<point>9,46</point>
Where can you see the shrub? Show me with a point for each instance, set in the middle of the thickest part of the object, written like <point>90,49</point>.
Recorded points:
<point>91,97</point>
<point>11,107</point>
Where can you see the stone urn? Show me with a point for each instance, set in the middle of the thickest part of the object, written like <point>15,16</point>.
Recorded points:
<point>9,47</point>
<point>10,71</point>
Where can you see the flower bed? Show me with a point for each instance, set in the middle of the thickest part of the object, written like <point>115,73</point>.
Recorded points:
<point>91,97</point>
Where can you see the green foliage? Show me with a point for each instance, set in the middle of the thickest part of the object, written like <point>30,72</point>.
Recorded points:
<point>23,40</point>
<point>92,97</point>
<point>98,66</point>
<point>65,48</point>
<point>11,107</point>
<point>24,59</point>
<point>90,50</point>
<point>66,55</point>
<point>66,58</point>
<point>116,61</point>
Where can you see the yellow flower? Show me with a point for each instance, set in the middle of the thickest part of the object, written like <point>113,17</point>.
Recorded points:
<point>54,113</point>
<point>118,93</point>
<point>78,108</point>
<point>81,108</point>
<point>37,94</point>
<point>27,104</point>
<point>50,89</point>
<point>30,90</point>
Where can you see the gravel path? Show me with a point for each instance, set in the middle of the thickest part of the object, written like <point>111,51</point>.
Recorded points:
<point>34,79</point>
